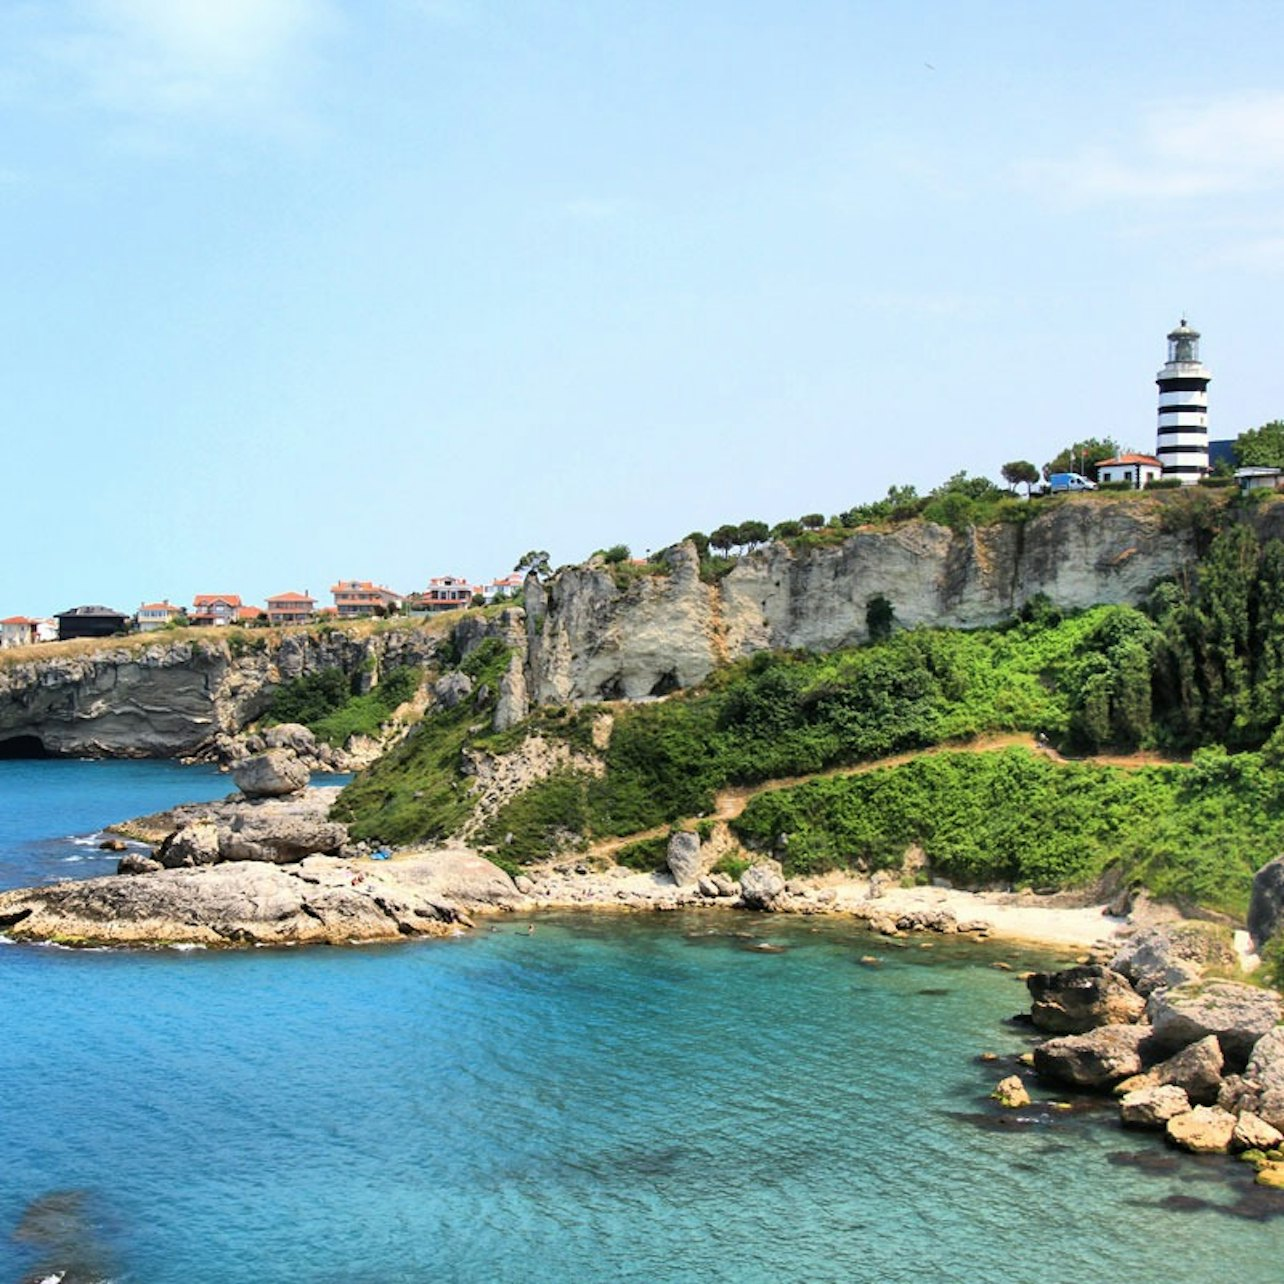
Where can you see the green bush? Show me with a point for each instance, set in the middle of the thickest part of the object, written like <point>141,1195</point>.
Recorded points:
<point>1014,817</point>
<point>647,855</point>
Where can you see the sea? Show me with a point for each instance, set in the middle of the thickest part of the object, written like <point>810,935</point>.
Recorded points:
<point>669,1097</point>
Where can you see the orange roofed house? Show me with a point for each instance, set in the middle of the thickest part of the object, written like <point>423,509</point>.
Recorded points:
<point>290,608</point>
<point>444,593</point>
<point>216,609</point>
<point>361,597</point>
<point>18,630</point>
<point>156,615</point>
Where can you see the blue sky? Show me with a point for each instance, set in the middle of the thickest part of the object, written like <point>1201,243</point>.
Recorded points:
<point>301,290</point>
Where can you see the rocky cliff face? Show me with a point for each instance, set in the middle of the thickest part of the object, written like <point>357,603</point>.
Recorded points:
<point>589,640</point>
<point>585,638</point>
<point>172,699</point>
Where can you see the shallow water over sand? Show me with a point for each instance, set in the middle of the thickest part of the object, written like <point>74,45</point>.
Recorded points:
<point>610,1098</point>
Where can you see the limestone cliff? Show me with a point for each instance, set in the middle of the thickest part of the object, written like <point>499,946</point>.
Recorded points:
<point>175,698</point>
<point>588,639</point>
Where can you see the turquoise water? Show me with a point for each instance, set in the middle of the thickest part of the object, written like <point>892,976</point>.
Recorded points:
<point>611,1098</point>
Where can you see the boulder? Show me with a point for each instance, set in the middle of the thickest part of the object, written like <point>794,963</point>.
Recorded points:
<point>1171,954</point>
<point>1205,1130</point>
<point>1197,1069</point>
<point>1153,1107</point>
<point>683,857</point>
<point>1271,1175</point>
<point>452,689</point>
<point>293,736</point>
<point>1252,1132</point>
<point>1082,998</point>
<point>1095,1059</point>
<point>136,863</point>
<point>1237,1095</point>
<point>1266,904</point>
<point>1265,1073</point>
<point>281,830</point>
<point>726,885</point>
<point>1011,1093</point>
<point>707,887</point>
<point>762,885</point>
<point>195,843</point>
<point>1239,1015</point>
<point>271,774</point>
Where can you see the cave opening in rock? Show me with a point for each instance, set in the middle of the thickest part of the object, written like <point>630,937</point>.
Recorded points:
<point>24,747</point>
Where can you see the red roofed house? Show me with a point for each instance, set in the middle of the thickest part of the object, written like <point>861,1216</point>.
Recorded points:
<point>360,597</point>
<point>215,608</point>
<point>17,630</point>
<point>156,615</point>
<point>444,593</point>
<point>249,614</point>
<point>1137,470</point>
<point>499,590</point>
<point>290,608</point>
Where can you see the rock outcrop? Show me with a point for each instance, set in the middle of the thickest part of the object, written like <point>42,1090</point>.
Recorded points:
<point>1095,1059</point>
<point>684,859</point>
<point>1082,998</point>
<point>1266,905</point>
<point>1152,1107</point>
<point>273,774</point>
<point>589,639</point>
<point>167,699</point>
<point>316,901</point>
<point>762,885</point>
<point>1171,954</point>
<point>1239,1015</point>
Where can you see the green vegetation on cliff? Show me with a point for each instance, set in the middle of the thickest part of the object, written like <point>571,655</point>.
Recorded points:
<point>1194,833</point>
<point>1200,668</point>
<point>329,704</point>
<point>416,792</point>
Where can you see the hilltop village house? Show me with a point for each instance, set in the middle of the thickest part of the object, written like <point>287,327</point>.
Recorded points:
<point>444,593</point>
<point>361,597</point>
<point>89,622</point>
<point>1138,471</point>
<point>291,608</point>
<point>18,630</point>
<point>215,610</point>
<point>156,615</point>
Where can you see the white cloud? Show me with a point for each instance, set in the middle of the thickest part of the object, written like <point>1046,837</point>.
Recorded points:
<point>230,59</point>
<point>1224,147</point>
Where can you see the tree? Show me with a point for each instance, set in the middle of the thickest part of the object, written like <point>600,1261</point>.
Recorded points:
<point>751,534</point>
<point>1082,457</point>
<point>1261,447</point>
<point>1020,472</point>
<point>535,561</point>
<point>615,554</point>
<point>813,521</point>
<point>786,530</point>
<point>701,541</point>
<point>725,538</point>
<point>971,487</point>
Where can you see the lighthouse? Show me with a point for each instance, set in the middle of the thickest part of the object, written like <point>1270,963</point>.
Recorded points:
<point>1183,408</point>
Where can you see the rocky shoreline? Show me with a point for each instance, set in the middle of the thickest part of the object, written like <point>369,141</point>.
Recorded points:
<point>1184,1052</point>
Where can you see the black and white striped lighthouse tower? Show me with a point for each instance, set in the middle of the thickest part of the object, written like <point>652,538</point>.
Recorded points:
<point>1183,408</point>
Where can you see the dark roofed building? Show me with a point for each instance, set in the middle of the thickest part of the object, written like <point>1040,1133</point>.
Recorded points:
<point>89,622</point>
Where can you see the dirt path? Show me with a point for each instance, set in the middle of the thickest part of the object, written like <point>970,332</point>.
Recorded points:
<point>731,802</point>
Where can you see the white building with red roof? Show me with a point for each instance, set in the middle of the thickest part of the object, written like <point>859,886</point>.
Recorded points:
<point>156,615</point>
<point>361,597</point>
<point>1138,471</point>
<point>18,630</point>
